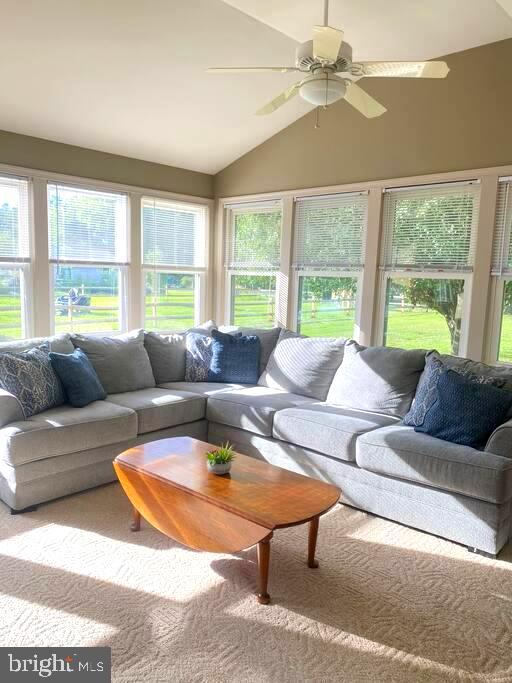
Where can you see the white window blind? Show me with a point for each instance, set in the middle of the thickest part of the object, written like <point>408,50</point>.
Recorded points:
<point>430,228</point>
<point>502,246</point>
<point>87,226</point>
<point>330,232</point>
<point>173,234</point>
<point>14,220</point>
<point>254,237</point>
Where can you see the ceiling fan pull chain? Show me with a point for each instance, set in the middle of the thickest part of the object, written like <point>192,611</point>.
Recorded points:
<point>317,120</point>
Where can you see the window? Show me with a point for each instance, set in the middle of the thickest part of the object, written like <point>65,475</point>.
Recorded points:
<point>174,263</point>
<point>252,259</point>
<point>14,258</point>
<point>502,271</point>
<point>88,252</point>
<point>328,258</point>
<point>427,259</point>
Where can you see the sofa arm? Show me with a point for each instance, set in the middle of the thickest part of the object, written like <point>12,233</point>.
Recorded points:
<point>10,409</point>
<point>500,441</point>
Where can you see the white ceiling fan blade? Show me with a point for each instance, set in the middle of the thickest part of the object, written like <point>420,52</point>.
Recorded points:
<point>253,69</point>
<point>326,42</point>
<point>364,103</point>
<point>507,5</point>
<point>401,69</point>
<point>279,100</point>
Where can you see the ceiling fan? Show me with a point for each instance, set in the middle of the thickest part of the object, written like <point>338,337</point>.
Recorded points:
<point>331,74</point>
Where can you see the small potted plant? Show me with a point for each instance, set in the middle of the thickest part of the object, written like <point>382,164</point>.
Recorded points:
<point>219,461</point>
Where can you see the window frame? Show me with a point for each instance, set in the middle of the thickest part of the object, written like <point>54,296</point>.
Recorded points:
<point>199,295</point>
<point>123,268</point>
<point>295,302</point>
<point>23,263</point>
<point>26,312</point>
<point>496,318</point>
<point>497,288</point>
<point>200,273</point>
<point>231,211</point>
<point>386,275</point>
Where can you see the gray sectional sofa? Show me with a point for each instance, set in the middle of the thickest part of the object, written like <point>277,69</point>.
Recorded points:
<point>381,465</point>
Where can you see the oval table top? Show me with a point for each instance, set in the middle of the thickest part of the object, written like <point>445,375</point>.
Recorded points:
<point>264,494</point>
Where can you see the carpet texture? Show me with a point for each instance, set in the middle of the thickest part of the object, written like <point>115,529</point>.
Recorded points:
<point>386,604</point>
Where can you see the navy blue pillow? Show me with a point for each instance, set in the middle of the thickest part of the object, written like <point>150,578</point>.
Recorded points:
<point>79,378</point>
<point>234,358</point>
<point>464,411</point>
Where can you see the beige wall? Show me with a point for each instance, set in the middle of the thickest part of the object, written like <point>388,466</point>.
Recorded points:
<point>23,150</point>
<point>462,122</point>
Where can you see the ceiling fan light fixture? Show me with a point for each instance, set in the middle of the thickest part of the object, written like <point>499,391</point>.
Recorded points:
<point>323,89</point>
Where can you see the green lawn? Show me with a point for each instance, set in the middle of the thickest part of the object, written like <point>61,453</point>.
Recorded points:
<point>411,328</point>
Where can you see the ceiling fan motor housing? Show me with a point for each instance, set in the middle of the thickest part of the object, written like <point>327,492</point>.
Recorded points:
<point>305,60</point>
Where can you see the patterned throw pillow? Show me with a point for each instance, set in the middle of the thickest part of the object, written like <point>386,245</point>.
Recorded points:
<point>426,393</point>
<point>198,357</point>
<point>465,412</point>
<point>29,377</point>
<point>235,358</point>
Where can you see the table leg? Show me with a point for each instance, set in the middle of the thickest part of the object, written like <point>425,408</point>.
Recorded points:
<point>263,563</point>
<point>313,533</point>
<point>135,524</point>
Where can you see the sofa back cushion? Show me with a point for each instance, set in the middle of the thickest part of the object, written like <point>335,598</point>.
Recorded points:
<point>167,356</point>
<point>303,365</point>
<point>378,379</point>
<point>121,362</point>
<point>30,378</point>
<point>465,366</point>
<point>235,359</point>
<point>79,378</point>
<point>268,340</point>
<point>61,343</point>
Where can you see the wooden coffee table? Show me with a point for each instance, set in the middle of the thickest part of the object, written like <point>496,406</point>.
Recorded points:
<point>168,484</point>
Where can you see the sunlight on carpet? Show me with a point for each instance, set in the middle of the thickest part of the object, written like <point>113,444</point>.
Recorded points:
<point>387,603</point>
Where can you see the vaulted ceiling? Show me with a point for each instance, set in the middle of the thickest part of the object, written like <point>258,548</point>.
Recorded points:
<point>128,77</point>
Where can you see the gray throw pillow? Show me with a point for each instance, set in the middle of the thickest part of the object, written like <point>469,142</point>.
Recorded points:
<point>268,339</point>
<point>303,365</point>
<point>377,379</point>
<point>121,362</point>
<point>31,379</point>
<point>167,356</point>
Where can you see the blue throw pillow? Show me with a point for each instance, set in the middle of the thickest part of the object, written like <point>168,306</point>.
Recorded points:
<point>79,378</point>
<point>29,377</point>
<point>465,412</point>
<point>234,358</point>
<point>426,392</point>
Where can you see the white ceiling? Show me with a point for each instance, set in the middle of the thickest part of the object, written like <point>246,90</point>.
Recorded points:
<point>127,77</point>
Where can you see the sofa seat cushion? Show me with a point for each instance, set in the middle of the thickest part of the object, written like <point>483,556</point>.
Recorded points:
<point>203,388</point>
<point>326,428</point>
<point>65,429</point>
<point>161,408</point>
<point>251,408</point>
<point>400,452</point>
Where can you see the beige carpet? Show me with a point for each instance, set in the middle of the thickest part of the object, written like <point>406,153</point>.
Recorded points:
<point>386,604</point>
